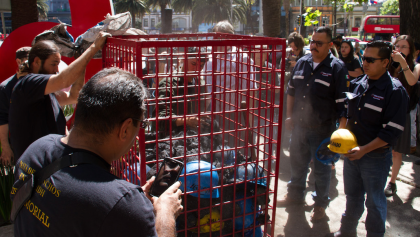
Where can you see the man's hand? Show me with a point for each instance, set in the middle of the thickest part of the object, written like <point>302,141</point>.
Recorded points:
<point>193,121</point>
<point>289,124</point>
<point>355,153</point>
<point>169,202</point>
<point>6,156</point>
<point>147,186</point>
<point>100,40</point>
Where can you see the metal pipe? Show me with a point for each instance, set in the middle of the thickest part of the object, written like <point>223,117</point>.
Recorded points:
<point>300,14</point>
<point>3,23</point>
<point>260,22</point>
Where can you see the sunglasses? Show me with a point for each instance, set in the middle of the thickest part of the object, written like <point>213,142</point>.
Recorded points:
<point>318,43</point>
<point>143,123</point>
<point>370,59</point>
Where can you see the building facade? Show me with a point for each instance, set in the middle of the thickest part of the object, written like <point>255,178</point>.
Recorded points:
<point>59,11</point>
<point>181,22</point>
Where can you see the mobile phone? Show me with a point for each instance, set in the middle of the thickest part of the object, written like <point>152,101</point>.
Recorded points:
<point>168,174</point>
<point>396,64</point>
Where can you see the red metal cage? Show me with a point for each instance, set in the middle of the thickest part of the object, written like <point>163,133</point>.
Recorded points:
<point>214,105</point>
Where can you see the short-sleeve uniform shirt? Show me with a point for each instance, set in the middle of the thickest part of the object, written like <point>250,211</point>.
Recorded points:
<point>6,88</point>
<point>32,114</point>
<point>86,200</point>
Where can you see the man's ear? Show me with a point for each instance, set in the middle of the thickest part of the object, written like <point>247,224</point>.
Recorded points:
<point>385,63</point>
<point>36,65</point>
<point>37,61</point>
<point>18,61</point>
<point>124,131</point>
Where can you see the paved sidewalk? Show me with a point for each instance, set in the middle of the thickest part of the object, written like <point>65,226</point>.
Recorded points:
<point>403,209</point>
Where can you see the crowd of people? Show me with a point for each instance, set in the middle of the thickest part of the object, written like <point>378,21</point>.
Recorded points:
<point>374,94</point>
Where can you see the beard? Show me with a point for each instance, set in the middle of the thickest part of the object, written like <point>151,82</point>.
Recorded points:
<point>43,70</point>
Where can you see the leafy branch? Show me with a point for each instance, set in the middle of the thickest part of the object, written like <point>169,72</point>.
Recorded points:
<point>311,17</point>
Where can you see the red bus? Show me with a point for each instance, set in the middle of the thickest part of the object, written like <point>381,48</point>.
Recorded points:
<point>379,27</point>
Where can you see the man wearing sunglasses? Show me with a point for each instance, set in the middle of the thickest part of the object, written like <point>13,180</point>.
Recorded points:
<point>315,100</point>
<point>377,108</point>
<point>86,198</point>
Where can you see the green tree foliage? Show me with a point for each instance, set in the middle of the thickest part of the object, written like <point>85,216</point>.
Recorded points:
<point>390,7</point>
<point>212,11</point>
<point>311,17</point>
<point>183,5</point>
<point>135,7</point>
<point>43,8</point>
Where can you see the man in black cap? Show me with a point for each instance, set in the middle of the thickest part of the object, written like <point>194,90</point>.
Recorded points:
<point>6,88</point>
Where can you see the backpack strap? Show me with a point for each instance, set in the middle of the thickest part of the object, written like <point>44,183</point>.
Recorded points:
<point>71,160</point>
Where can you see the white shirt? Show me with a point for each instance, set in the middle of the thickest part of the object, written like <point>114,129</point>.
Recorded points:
<point>228,76</point>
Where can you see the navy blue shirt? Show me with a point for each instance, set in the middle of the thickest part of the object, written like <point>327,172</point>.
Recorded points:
<point>376,108</point>
<point>319,93</point>
<point>351,64</point>
<point>32,114</point>
<point>85,200</point>
<point>6,88</point>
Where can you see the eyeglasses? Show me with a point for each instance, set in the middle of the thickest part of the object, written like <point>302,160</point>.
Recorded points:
<point>143,123</point>
<point>401,47</point>
<point>370,59</point>
<point>318,43</point>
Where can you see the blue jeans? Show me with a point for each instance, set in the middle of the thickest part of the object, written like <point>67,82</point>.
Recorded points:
<point>303,145</point>
<point>367,175</point>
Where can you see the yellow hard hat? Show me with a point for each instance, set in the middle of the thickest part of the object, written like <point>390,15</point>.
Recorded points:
<point>215,226</point>
<point>342,140</point>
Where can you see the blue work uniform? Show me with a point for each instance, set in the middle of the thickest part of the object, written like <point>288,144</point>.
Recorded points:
<point>319,95</point>
<point>376,108</point>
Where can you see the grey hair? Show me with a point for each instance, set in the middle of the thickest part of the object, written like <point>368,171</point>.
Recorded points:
<point>223,27</point>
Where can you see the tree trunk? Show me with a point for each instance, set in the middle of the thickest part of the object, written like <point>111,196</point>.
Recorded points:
<point>250,20</point>
<point>410,18</point>
<point>194,24</point>
<point>133,19</point>
<point>271,17</point>
<point>286,5</point>
<point>23,12</point>
<point>335,19</point>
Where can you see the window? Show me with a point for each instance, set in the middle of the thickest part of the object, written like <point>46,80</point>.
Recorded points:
<point>175,24</point>
<point>325,21</point>
<point>372,21</point>
<point>145,22</point>
<point>340,22</point>
<point>384,21</point>
<point>152,22</point>
<point>395,21</point>
<point>357,21</point>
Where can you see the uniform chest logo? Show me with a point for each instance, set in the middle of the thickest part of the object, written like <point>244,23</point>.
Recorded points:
<point>326,74</point>
<point>377,97</point>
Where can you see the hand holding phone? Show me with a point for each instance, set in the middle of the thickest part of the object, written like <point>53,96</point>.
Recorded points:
<point>169,203</point>
<point>397,57</point>
<point>168,174</point>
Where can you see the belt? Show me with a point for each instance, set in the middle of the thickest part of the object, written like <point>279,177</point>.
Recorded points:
<point>381,149</point>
